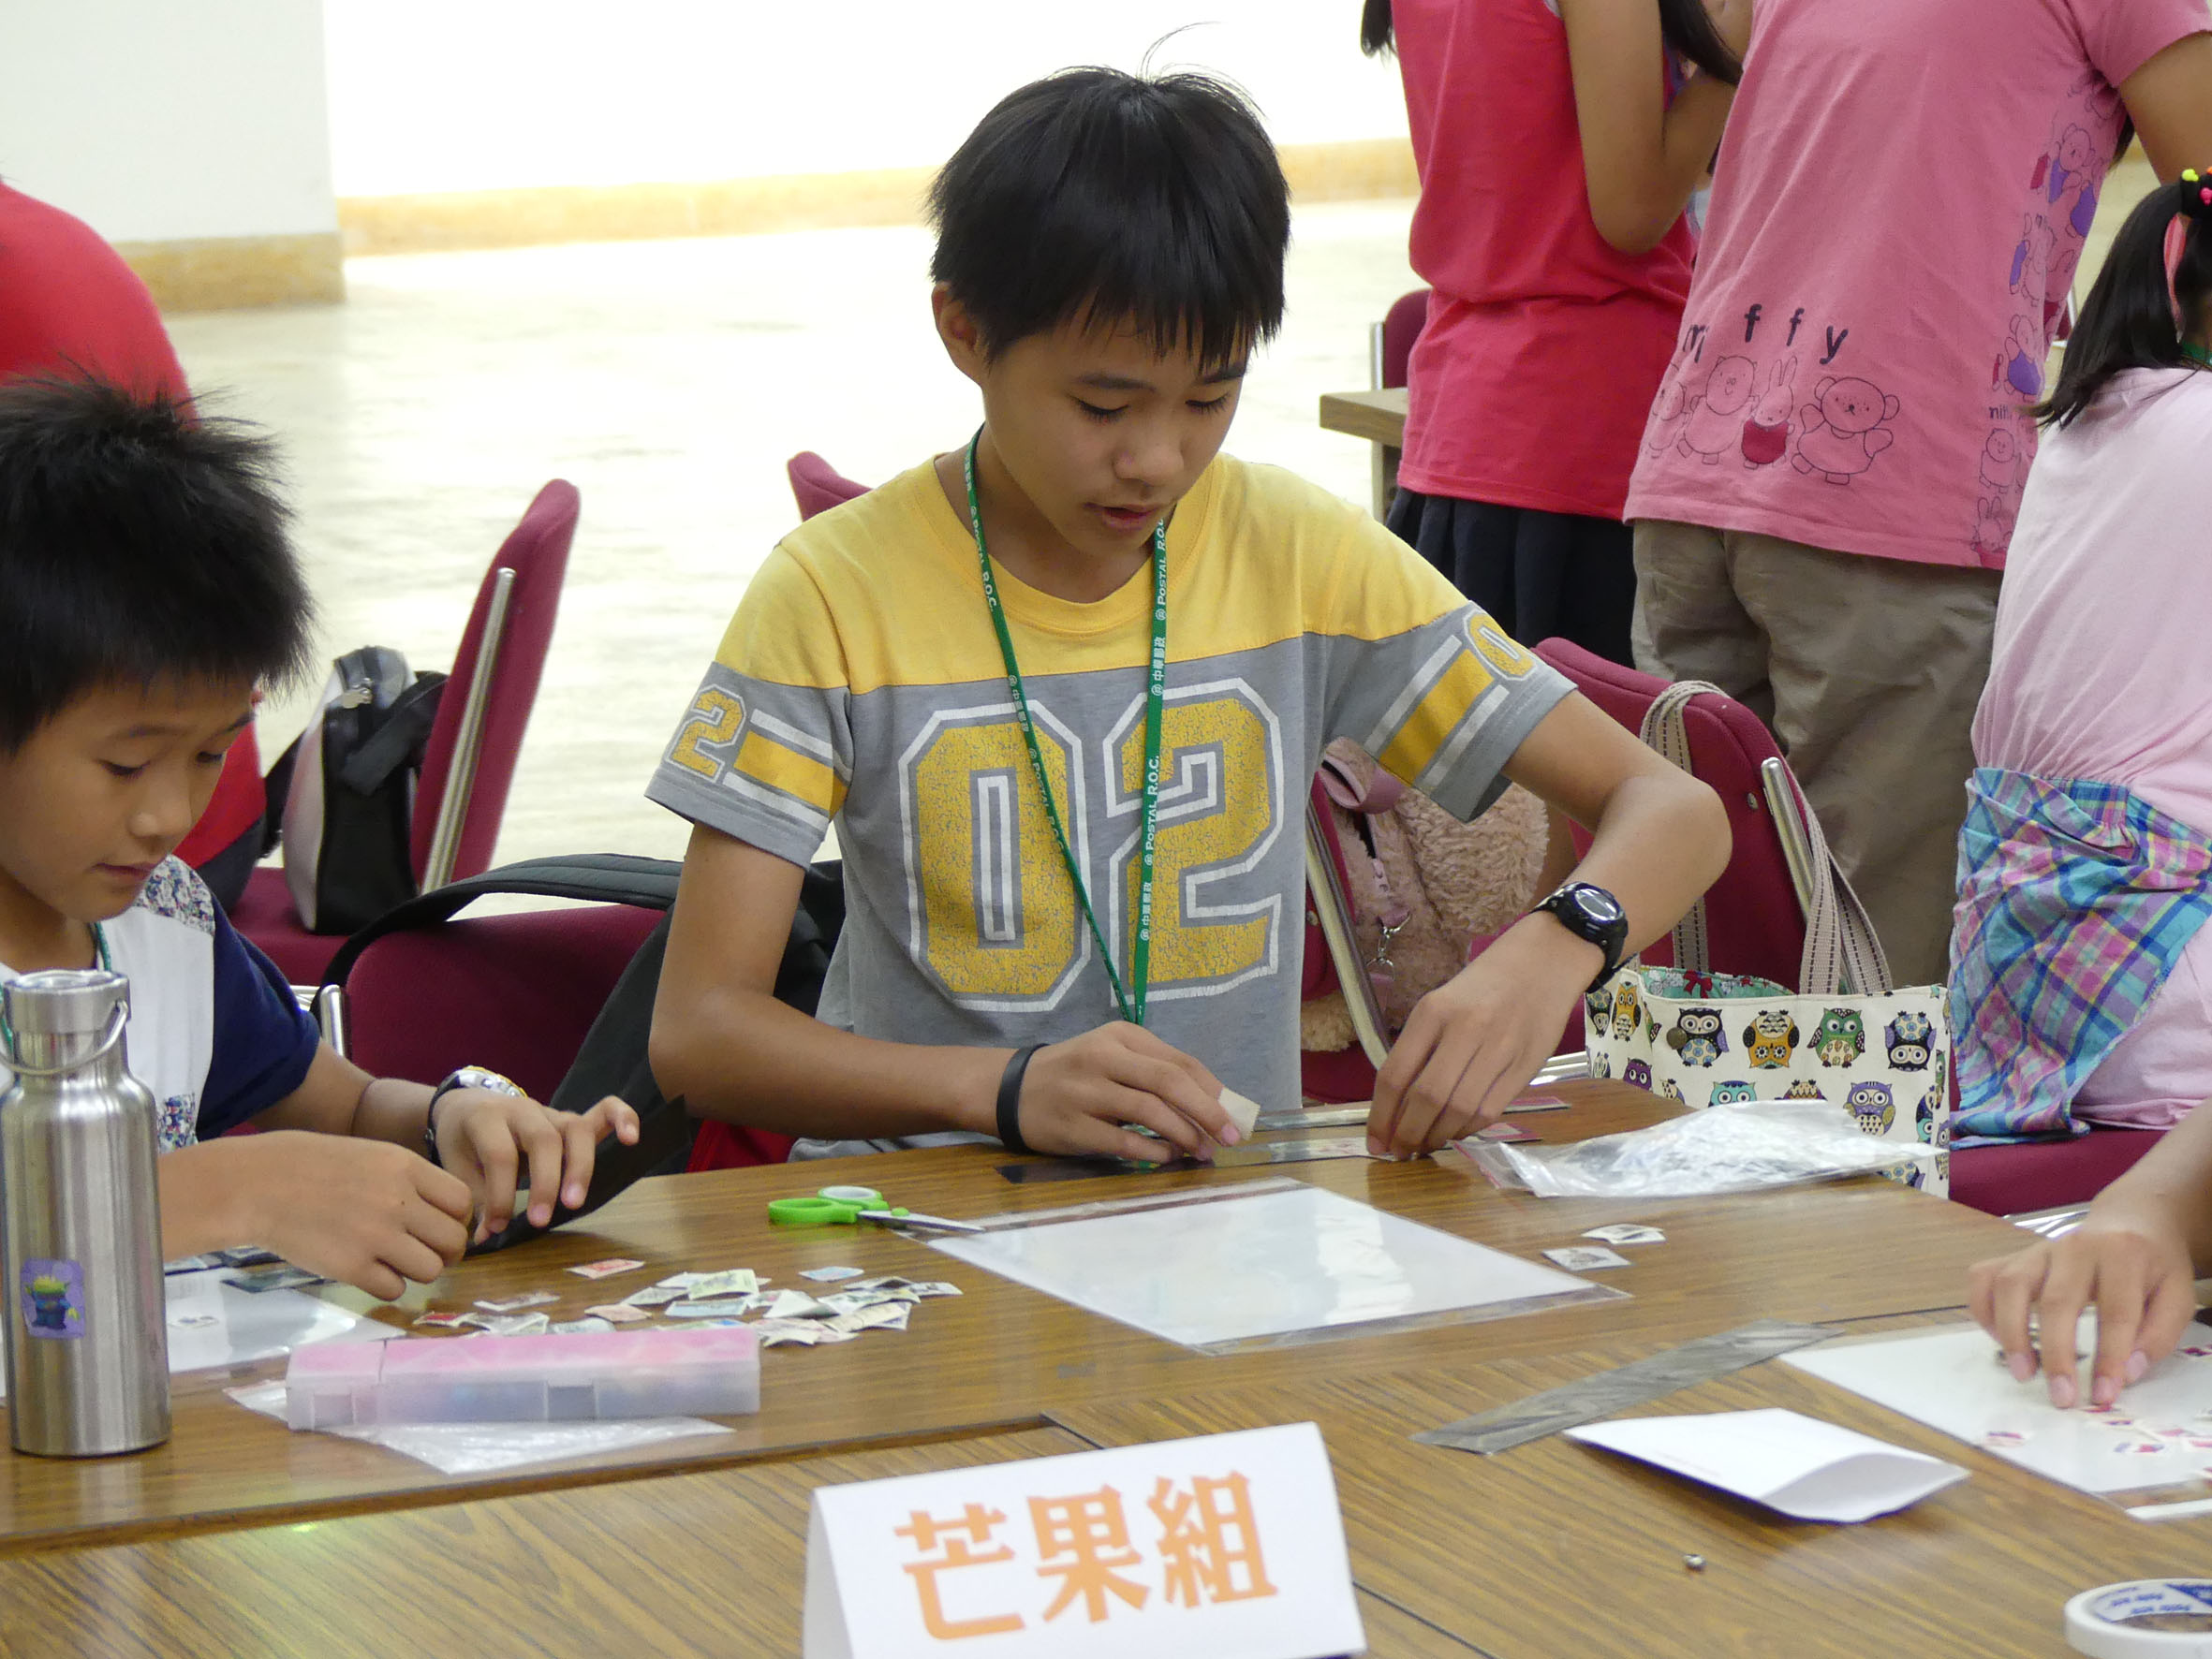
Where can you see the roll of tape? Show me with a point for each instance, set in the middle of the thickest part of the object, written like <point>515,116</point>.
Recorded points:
<point>2156,1618</point>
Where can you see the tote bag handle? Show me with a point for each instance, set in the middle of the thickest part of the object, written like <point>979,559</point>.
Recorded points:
<point>1840,949</point>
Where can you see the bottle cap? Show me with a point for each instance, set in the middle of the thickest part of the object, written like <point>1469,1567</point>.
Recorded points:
<point>64,1002</point>
<point>2154,1617</point>
<point>59,1019</point>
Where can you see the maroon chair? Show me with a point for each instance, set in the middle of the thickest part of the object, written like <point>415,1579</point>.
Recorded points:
<point>1756,926</point>
<point>513,992</point>
<point>1753,921</point>
<point>817,486</point>
<point>470,760</point>
<point>1390,350</point>
<point>1393,337</point>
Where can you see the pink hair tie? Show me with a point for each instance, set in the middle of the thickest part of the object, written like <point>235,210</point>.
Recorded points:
<point>2176,242</point>
<point>2195,192</point>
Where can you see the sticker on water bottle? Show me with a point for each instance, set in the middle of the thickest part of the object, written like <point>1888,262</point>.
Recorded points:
<point>53,1299</point>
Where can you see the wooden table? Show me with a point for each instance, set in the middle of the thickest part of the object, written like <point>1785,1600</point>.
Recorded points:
<point>1556,1548</point>
<point>697,1546</point>
<point>705,1563</point>
<point>1379,417</point>
<point>1003,1357</point>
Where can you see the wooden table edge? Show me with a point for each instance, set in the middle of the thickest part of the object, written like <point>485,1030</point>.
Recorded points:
<point>466,1489</point>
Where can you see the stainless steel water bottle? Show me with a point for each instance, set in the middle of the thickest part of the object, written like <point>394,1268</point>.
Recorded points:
<point>86,1339</point>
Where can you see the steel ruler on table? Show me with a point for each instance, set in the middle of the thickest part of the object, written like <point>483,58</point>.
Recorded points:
<point>1638,1383</point>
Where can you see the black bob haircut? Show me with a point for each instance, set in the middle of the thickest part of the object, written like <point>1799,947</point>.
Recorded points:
<point>1104,198</point>
<point>2128,320</point>
<point>139,544</point>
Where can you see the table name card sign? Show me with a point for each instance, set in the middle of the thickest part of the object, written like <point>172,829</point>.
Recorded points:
<point>1225,1546</point>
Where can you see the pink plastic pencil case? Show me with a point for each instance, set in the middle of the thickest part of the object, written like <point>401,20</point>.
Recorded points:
<point>525,1379</point>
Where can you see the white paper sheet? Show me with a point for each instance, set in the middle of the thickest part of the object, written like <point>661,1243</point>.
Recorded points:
<point>2156,1438</point>
<point>1797,1465</point>
<point>1262,1265</point>
<point>213,1324</point>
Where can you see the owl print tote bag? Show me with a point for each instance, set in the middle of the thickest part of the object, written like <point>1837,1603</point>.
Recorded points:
<point>1882,1054</point>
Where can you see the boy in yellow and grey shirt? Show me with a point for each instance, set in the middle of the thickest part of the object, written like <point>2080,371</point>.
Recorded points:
<point>863,681</point>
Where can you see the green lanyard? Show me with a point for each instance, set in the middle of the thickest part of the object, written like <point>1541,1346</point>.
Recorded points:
<point>1131,1001</point>
<point>2190,349</point>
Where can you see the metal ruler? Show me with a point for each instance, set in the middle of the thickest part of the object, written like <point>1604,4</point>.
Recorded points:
<point>1638,1383</point>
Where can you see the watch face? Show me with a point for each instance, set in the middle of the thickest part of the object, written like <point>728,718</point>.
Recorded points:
<point>1597,903</point>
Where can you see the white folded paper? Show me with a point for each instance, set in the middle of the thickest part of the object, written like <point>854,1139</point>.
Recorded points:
<point>1799,1466</point>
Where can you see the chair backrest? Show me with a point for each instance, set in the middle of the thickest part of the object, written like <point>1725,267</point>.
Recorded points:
<point>537,551</point>
<point>1401,327</point>
<point>817,486</point>
<point>513,992</point>
<point>1753,920</point>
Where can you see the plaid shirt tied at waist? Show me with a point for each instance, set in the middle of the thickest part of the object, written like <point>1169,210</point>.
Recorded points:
<point>2076,900</point>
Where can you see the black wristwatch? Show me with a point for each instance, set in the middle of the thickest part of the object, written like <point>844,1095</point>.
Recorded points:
<point>464,1076</point>
<point>1593,914</point>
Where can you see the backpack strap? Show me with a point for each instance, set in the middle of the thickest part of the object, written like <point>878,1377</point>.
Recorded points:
<point>612,878</point>
<point>400,738</point>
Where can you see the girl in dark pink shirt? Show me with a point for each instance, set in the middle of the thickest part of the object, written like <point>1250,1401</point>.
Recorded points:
<point>1557,288</point>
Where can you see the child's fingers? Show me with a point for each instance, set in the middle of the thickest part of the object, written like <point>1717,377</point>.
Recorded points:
<point>544,1146</point>
<point>2066,1291</point>
<point>2121,1296</point>
<point>410,1257</point>
<point>581,1140</point>
<point>497,1157</point>
<point>2013,1285</point>
<point>2172,1306</point>
<point>618,1115</point>
<point>1409,1055</point>
<point>445,1190</point>
<point>1128,1105</point>
<point>1429,1097</point>
<point>1486,1088</point>
<point>379,1280</point>
<point>1135,1059</point>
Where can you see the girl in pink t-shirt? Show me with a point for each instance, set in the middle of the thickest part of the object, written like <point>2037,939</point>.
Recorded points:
<point>1555,288</point>
<point>1833,468</point>
<point>2101,685</point>
<point>2082,973</point>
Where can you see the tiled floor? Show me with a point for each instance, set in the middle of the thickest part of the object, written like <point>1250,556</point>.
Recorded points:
<point>669,381</point>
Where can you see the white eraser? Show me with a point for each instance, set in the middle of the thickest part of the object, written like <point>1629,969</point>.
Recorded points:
<point>1242,1112</point>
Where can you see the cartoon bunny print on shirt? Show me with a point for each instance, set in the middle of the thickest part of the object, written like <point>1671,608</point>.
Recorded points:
<point>1766,431</point>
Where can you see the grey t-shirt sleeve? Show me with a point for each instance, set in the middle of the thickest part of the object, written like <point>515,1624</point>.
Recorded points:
<point>1431,686</point>
<point>764,750</point>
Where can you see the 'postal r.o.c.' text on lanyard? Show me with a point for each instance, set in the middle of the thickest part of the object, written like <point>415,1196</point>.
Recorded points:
<point>1129,999</point>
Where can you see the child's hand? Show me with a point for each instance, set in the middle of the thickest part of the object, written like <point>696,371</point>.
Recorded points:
<point>365,1212</point>
<point>2132,1263</point>
<point>1474,1042</point>
<point>1076,1095</point>
<point>483,1138</point>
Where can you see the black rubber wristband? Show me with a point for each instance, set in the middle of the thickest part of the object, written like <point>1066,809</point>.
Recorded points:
<point>1010,1101</point>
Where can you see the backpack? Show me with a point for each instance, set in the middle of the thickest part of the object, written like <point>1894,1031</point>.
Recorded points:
<point>347,791</point>
<point>614,1059</point>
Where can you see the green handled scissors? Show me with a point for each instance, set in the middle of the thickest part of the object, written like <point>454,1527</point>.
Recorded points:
<point>844,1206</point>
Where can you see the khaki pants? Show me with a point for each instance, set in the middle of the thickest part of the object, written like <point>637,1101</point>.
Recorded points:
<point>1867,670</point>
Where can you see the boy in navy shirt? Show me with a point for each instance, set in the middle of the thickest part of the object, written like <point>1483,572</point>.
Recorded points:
<point>147,590</point>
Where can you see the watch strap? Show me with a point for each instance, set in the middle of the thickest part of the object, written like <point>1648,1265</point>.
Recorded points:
<point>461,1076</point>
<point>1010,1100</point>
